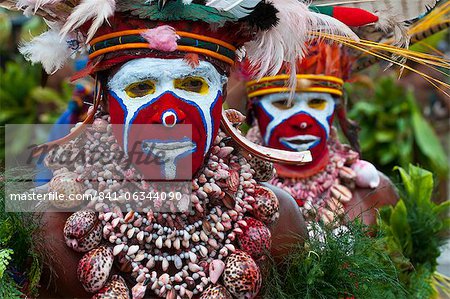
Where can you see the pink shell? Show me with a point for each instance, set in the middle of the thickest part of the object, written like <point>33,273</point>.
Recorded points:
<point>255,238</point>
<point>266,206</point>
<point>367,175</point>
<point>66,183</point>
<point>216,292</point>
<point>83,231</point>
<point>94,268</point>
<point>242,276</point>
<point>114,288</point>
<point>100,125</point>
<point>216,268</point>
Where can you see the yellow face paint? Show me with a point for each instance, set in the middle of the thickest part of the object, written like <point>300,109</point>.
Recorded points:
<point>318,104</point>
<point>140,89</point>
<point>192,84</point>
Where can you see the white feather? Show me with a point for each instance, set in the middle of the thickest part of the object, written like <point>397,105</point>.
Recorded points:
<point>97,10</point>
<point>238,8</point>
<point>47,49</point>
<point>286,41</point>
<point>34,5</point>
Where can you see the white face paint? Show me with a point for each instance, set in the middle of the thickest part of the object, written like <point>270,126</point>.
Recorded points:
<point>163,72</point>
<point>319,106</point>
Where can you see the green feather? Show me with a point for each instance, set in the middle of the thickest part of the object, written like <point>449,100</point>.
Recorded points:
<point>175,11</point>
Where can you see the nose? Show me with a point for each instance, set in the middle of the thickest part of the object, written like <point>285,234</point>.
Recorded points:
<point>169,117</point>
<point>303,123</point>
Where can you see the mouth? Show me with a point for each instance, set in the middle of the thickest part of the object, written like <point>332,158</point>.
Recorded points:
<point>300,142</point>
<point>169,153</point>
<point>173,148</point>
<point>168,145</point>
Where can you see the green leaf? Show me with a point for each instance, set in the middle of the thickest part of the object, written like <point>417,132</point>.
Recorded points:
<point>5,258</point>
<point>9,289</point>
<point>385,136</point>
<point>443,208</point>
<point>429,144</point>
<point>385,214</point>
<point>406,179</point>
<point>401,230</point>
<point>42,95</point>
<point>422,183</point>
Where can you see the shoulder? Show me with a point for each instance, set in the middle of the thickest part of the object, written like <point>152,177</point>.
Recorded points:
<point>290,228</point>
<point>62,260</point>
<point>366,201</point>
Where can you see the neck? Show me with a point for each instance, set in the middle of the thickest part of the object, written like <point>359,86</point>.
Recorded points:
<point>304,171</point>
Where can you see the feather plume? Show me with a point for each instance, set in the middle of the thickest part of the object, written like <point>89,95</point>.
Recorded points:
<point>47,49</point>
<point>238,8</point>
<point>396,10</point>
<point>392,14</point>
<point>34,5</point>
<point>163,38</point>
<point>97,10</point>
<point>286,41</point>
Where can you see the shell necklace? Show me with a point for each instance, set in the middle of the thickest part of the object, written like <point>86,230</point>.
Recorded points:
<point>211,250</point>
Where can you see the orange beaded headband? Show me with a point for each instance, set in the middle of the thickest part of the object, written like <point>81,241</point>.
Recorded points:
<point>305,83</point>
<point>188,42</point>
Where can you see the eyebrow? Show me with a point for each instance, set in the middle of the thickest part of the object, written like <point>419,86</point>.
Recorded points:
<point>126,78</point>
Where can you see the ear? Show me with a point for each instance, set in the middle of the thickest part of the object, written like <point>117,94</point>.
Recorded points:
<point>349,128</point>
<point>224,91</point>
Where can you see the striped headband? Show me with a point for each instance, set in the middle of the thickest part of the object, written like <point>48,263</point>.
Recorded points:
<point>305,83</point>
<point>188,42</point>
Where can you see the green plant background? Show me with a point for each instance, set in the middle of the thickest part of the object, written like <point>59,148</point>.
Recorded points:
<point>393,129</point>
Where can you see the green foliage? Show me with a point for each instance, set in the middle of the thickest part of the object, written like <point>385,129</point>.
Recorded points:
<point>415,229</point>
<point>393,130</point>
<point>5,258</point>
<point>348,263</point>
<point>23,100</point>
<point>9,289</point>
<point>18,235</point>
<point>5,27</point>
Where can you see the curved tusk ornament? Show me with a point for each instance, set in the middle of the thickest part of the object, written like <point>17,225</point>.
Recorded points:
<point>263,152</point>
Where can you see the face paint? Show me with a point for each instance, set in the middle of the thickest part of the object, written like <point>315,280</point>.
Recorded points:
<point>170,93</point>
<point>305,125</point>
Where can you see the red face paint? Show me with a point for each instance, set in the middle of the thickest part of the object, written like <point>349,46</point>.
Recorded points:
<point>187,118</point>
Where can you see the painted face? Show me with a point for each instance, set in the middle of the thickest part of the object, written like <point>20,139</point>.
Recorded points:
<point>305,125</point>
<point>186,102</point>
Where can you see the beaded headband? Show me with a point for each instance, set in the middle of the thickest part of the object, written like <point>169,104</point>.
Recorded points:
<point>188,42</point>
<point>305,83</point>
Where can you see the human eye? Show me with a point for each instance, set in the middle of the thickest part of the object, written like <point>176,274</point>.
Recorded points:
<point>192,84</point>
<point>140,89</point>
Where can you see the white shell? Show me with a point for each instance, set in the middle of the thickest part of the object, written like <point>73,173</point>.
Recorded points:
<point>366,174</point>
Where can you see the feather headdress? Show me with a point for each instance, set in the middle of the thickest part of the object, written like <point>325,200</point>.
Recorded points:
<point>392,14</point>
<point>272,31</point>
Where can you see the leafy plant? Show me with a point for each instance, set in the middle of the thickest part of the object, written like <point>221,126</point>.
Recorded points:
<point>393,130</point>
<point>415,230</point>
<point>335,264</point>
<point>19,257</point>
<point>24,101</point>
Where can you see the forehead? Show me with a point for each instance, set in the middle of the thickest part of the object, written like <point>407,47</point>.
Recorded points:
<point>298,97</point>
<point>154,68</point>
